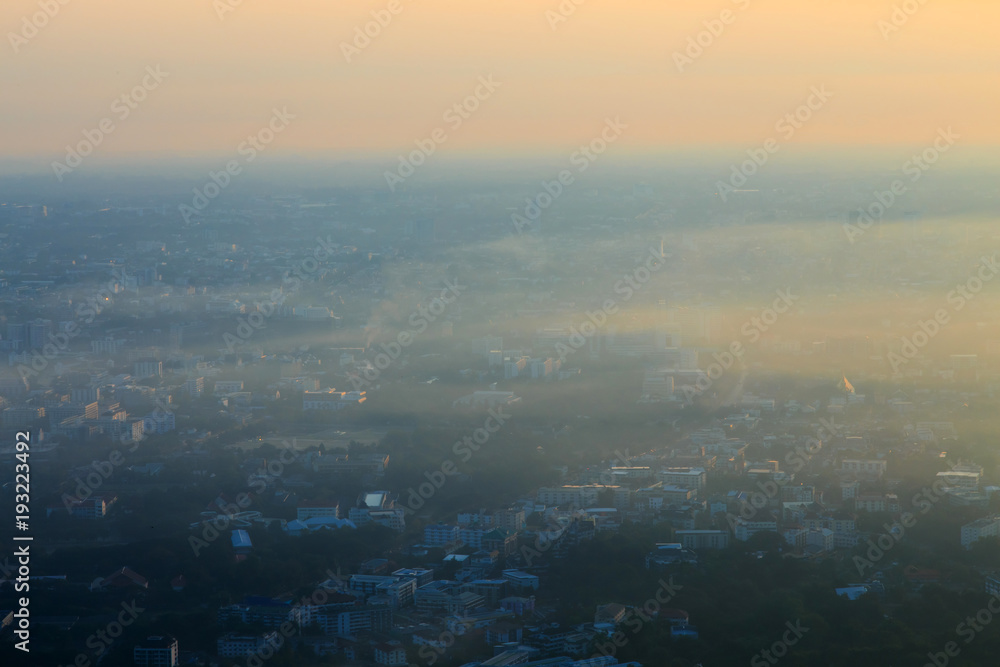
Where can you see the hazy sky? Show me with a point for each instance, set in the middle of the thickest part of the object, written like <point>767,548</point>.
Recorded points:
<point>609,58</point>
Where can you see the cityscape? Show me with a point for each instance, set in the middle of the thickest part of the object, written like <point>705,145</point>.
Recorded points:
<point>406,375</point>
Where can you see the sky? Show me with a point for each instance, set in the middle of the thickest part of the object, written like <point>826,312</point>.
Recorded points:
<point>559,75</point>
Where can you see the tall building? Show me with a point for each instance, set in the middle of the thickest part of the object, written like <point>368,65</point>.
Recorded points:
<point>17,335</point>
<point>39,333</point>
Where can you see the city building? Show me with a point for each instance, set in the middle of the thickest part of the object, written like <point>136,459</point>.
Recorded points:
<point>696,540</point>
<point>980,529</point>
<point>233,645</point>
<point>158,651</point>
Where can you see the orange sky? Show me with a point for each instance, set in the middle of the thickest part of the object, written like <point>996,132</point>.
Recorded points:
<point>610,58</point>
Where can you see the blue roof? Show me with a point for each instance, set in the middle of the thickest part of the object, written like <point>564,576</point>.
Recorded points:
<point>241,539</point>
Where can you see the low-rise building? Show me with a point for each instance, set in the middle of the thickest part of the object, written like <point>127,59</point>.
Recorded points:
<point>234,645</point>
<point>159,651</point>
<point>980,529</point>
<point>703,539</point>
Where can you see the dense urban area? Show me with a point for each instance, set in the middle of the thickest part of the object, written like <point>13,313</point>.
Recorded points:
<point>653,423</point>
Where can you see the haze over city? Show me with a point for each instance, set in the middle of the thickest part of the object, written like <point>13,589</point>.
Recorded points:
<point>565,333</point>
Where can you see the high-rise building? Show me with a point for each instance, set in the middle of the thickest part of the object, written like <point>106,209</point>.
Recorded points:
<point>39,333</point>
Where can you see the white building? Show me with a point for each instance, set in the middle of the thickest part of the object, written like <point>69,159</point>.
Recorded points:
<point>961,479</point>
<point>440,534</point>
<point>159,422</point>
<point>487,399</point>
<point>685,478</point>
<point>743,529</point>
<point>979,529</point>
<point>823,538</point>
<point>574,496</point>
<point>233,645</point>
<point>872,468</point>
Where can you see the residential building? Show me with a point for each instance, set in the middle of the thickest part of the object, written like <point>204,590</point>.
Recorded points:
<point>572,496</point>
<point>685,478</point>
<point>487,399</point>
<point>870,503</point>
<point>959,478</point>
<point>870,469</point>
<point>744,529</point>
<point>391,654</point>
<point>233,645</point>
<point>521,581</point>
<point>511,520</point>
<point>440,534</point>
<point>159,651</point>
<point>993,585</point>
<point>519,605</point>
<point>195,387</point>
<point>355,621</point>
<point>500,540</point>
<point>148,368</point>
<point>223,387</point>
<point>312,509</point>
<point>980,529</point>
<point>703,539</point>
<point>264,611</point>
